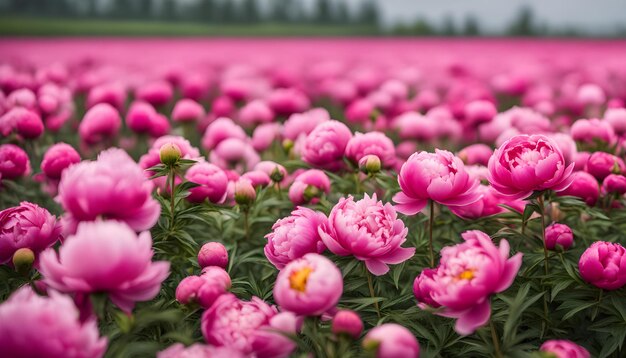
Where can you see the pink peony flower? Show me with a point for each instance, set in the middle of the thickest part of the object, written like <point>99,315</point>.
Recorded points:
<point>562,348</point>
<point>286,101</point>
<point>187,110</point>
<point>309,286</point>
<point>476,154</point>
<point>197,350</point>
<point>24,122</point>
<point>413,125</point>
<point>294,236</point>
<point>616,117</point>
<point>259,179</point>
<point>251,327</point>
<point>567,145</point>
<point>584,186</point>
<point>601,164</point>
<point>375,143</point>
<point>36,326</point>
<point>438,176</point>
<point>101,122</point>
<point>559,235</point>
<point>615,184</point>
<point>467,275</point>
<point>603,265</point>
<point>140,117</point>
<point>14,162</point>
<point>360,111</point>
<point>275,171</point>
<point>156,93</point>
<point>255,112</point>
<point>204,289</point>
<point>106,256</point>
<point>26,226</point>
<point>524,164</point>
<point>590,130</point>
<point>58,158</point>
<point>112,187</point>
<point>308,186</point>
<point>212,181</point>
<point>479,112</point>
<point>488,204</point>
<point>265,135</point>
<point>219,130</point>
<point>234,153</point>
<point>213,254</point>
<point>391,340</point>
<point>369,230</point>
<point>325,145</point>
<point>347,322</point>
<point>301,124</point>
<point>113,94</point>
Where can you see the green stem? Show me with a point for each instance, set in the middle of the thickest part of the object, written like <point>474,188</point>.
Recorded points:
<point>595,311</point>
<point>172,180</point>
<point>246,224</point>
<point>543,234</point>
<point>431,223</point>
<point>495,339</point>
<point>370,283</point>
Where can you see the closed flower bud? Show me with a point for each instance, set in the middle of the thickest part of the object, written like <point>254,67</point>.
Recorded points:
<point>213,254</point>
<point>559,235</point>
<point>370,164</point>
<point>23,260</point>
<point>347,322</point>
<point>277,175</point>
<point>244,192</point>
<point>288,145</point>
<point>169,153</point>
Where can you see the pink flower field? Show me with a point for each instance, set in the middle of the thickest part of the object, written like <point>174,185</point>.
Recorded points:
<point>312,197</point>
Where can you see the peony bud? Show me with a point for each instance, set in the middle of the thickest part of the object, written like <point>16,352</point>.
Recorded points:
<point>370,164</point>
<point>311,192</point>
<point>244,192</point>
<point>23,260</point>
<point>213,254</point>
<point>277,175</point>
<point>169,154</point>
<point>288,145</point>
<point>559,235</point>
<point>187,289</point>
<point>347,322</point>
<point>614,183</point>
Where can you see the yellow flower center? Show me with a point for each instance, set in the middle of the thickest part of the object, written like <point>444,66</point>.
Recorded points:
<point>466,275</point>
<point>297,279</point>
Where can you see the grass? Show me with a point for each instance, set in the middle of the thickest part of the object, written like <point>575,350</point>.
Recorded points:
<point>28,26</point>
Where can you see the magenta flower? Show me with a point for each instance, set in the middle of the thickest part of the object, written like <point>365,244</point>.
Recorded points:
<point>294,236</point>
<point>616,117</point>
<point>590,130</point>
<point>524,164</point>
<point>251,327</point>
<point>213,254</point>
<point>562,348</point>
<point>36,326</point>
<point>439,176</point>
<point>197,350</point>
<point>467,275</point>
<point>601,164</point>
<point>26,123</point>
<point>584,186</point>
<point>391,340</point>
<point>255,112</point>
<point>476,154</point>
<point>141,117</point>
<point>113,187</point>
<point>369,230</point>
<point>488,204</point>
<point>603,265</point>
<point>187,110</point>
<point>614,184</point>
<point>26,226</point>
<point>347,322</point>
<point>14,162</point>
<point>156,93</point>
<point>371,143</point>
<point>204,289</point>
<point>219,130</point>
<point>301,124</point>
<point>57,158</point>
<point>212,182</point>
<point>559,235</point>
<point>309,286</point>
<point>101,123</point>
<point>106,256</point>
<point>234,153</point>
<point>265,135</point>
<point>308,186</point>
<point>324,147</point>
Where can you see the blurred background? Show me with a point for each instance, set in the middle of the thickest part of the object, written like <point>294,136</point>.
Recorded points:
<point>572,18</point>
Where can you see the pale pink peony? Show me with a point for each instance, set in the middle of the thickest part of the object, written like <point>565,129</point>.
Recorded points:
<point>369,230</point>
<point>212,182</point>
<point>601,164</point>
<point>112,187</point>
<point>265,135</point>
<point>294,236</point>
<point>308,186</point>
<point>309,286</point>
<point>187,110</point>
<point>301,124</point>
<point>391,340</point>
<point>255,112</point>
<point>36,326</point>
<point>467,275</point>
<point>106,256</point>
<point>375,143</point>
<point>439,176</point>
<point>251,327</point>
<point>592,130</point>
<point>524,164</point>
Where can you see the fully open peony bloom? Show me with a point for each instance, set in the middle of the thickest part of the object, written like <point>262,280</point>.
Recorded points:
<point>325,145</point>
<point>438,176</point>
<point>369,230</point>
<point>106,256</point>
<point>603,265</point>
<point>26,226</point>
<point>309,286</point>
<point>101,122</point>
<point>308,186</point>
<point>249,327</point>
<point>375,143</point>
<point>467,275</point>
<point>212,181</point>
<point>391,340</point>
<point>14,162</point>
<point>524,164</point>
<point>57,158</point>
<point>36,326</point>
<point>294,236</point>
<point>112,187</point>
<point>562,348</point>
<point>197,350</point>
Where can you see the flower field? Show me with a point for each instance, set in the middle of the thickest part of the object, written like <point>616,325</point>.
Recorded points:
<point>312,198</point>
